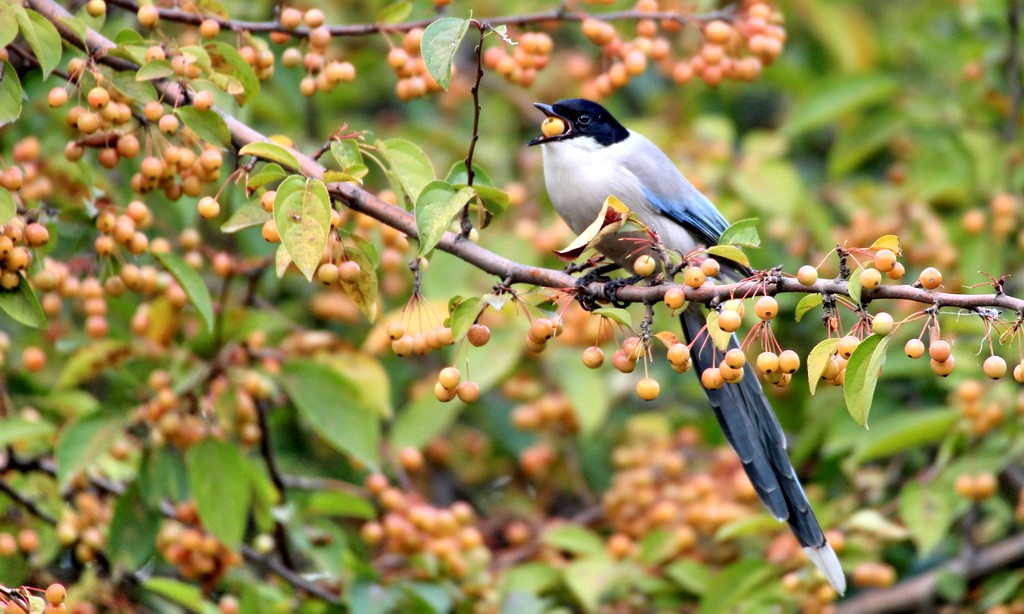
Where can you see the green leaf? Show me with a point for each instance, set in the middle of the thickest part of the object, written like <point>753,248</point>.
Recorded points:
<point>271,151</point>
<point>853,285</point>
<point>154,69</point>
<point>806,304</point>
<point>463,316</point>
<point>743,232</point>
<point>818,359</point>
<point>331,403</point>
<point>282,260</point>
<point>873,522</point>
<point>410,166</point>
<point>10,97</point>
<point>905,431</point>
<point>364,289</point>
<point>756,524</point>
<point>615,314</point>
<point>270,173</point>
<point>194,54</point>
<point>208,125</point>
<point>162,476</point>
<point>657,546</point>
<point>396,12</point>
<point>183,594</point>
<point>8,23</point>
<point>836,97</point>
<point>219,483</point>
<point>574,538</point>
<point>42,37</point>
<point>440,42</point>
<point>436,207</point>
<point>589,580</point>
<point>23,306</point>
<point>729,252</point>
<point>733,585</point>
<point>692,575</point>
<point>7,206</point>
<point>133,530</point>
<point>231,73</point>
<point>82,441</point>
<point>250,214</point>
<point>90,360</point>
<point>927,513</point>
<point>302,211</point>
<point>585,389</point>
<point>190,281</point>
<point>19,430</point>
<point>76,25</point>
<point>862,375</point>
<point>775,187</point>
<point>862,139</point>
<point>346,153</point>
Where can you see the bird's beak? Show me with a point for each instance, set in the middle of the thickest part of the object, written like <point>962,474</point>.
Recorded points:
<point>550,112</point>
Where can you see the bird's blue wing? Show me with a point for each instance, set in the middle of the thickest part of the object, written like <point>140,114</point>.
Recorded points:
<point>691,209</point>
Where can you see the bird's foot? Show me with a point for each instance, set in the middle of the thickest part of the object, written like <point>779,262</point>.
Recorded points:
<point>595,274</point>
<point>611,289</point>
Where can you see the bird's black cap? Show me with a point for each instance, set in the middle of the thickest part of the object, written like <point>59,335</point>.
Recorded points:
<point>584,118</point>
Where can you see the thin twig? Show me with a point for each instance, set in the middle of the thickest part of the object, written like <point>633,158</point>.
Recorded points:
<point>558,14</point>
<point>465,225</point>
<point>30,505</point>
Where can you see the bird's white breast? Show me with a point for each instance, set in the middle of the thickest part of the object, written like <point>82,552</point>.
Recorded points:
<point>580,174</point>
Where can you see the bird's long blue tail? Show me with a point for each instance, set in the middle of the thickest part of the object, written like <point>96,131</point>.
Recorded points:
<point>750,426</point>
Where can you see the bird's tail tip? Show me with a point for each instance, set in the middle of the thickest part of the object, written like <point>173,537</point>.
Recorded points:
<point>825,559</point>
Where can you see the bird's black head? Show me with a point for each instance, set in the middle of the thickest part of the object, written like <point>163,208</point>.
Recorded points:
<point>583,118</point>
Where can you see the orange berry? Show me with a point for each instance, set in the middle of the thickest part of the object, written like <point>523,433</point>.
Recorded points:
<point>939,350</point>
<point>593,357</point>
<point>675,297</point>
<point>930,278</point>
<point>694,277</point>
<point>766,307</point>
<point>768,363</point>
<point>712,379</point>
<point>870,278</point>
<point>644,265</point>
<point>468,392</point>
<point>478,335</point>
<point>994,367</point>
<point>882,323</point>
<point>449,377</point>
<point>847,345</point>
<point>914,348</point>
<point>885,260</point>
<point>648,389</point>
<point>729,320</point>
<point>735,358</point>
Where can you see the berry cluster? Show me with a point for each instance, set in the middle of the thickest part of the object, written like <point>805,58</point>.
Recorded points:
<point>323,73</point>
<point>449,385</point>
<point>551,412</point>
<point>735,50</point>
<point>197,554</point>
<point>414,80</point>
<point>436,541</point>
<point>521,66</point>
<point>85,526</point>
<point>970,400</point>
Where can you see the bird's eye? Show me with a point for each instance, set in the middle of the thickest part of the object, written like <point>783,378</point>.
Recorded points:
<point>583,120</point>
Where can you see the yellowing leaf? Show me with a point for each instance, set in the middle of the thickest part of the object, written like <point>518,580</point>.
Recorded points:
<point>853,286</point>
<point>271,151</point>
<point>890,242</point>
<point>610,219</point>
<point>729,252</point>
<point>818,359</point>
<point>718,336</point>
<point>364,289</point>
<point>302,211</point>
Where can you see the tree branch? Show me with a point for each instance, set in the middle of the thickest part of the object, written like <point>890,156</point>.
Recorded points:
<point>916,593</point>
<point>558,14</point>
<point>365,202</point>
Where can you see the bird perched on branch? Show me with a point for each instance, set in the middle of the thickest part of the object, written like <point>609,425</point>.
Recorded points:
<point>589,156</point>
